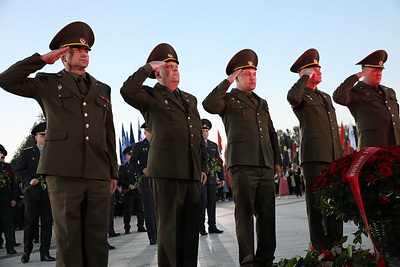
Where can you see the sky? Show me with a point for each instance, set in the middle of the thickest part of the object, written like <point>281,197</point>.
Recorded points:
<point>205,34</point>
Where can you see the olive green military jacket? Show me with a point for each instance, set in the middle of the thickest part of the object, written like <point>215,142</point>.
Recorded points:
<point>376,114</point>
<point>177,147</point>
<point>252,140</point>
<point>80,136</point>
<point>318,125</point>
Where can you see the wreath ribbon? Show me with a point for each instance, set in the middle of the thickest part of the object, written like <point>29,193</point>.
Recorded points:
<point>352,177</point>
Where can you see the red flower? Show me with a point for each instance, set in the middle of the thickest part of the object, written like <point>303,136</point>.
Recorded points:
<point>383,199</point>
<point>370,178</point>
<point>327,255</point>
<point>338,187</point>
<point>384,170</point>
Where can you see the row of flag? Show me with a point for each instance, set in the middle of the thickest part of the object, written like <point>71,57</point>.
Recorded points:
<point>128,139</point>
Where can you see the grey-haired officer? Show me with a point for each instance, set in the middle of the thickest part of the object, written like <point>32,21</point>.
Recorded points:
<point>79,156</point>
<point>253,157</point>
<point>374,106</point>
<point>319,144</point>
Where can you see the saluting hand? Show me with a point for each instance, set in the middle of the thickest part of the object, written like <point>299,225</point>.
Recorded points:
<point>363,72</point>
<point>308,71</point>
<point>54,55</point>
<point>155,65</point>
<point>233,76</point>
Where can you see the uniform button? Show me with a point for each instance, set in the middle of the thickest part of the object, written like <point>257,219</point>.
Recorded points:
<point>392,115</point>
<point>260,129</point>
<point>329,112</point>
<point>190,126</point>
<point>262,136</point>
<point>189,118</point>
<point>386,101</point>
<point>388,107</point>
<point>394,123</point>
<point>258,113</point>
<point>191,144</point>
<point>59,95</point>
<point>87,125</point>
<point>331,119</point>
<point>87,138</point>
<point>84,103</point>
<point>85,114</point>
<point>191,135</point>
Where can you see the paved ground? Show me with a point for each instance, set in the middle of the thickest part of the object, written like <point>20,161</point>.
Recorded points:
<point>214,250</point>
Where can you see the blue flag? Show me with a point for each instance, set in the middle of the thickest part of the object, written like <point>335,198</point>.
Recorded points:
<point>285,152</point>
<point>140,135</point>
<point>121,155</point>
<point>132,137</point>
<point>124,143</point>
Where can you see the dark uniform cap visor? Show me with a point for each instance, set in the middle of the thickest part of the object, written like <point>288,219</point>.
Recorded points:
<point>243,59</point>
<point>162,52</point>
<point>75,34</point>
<point>374,60</point>
<point>308,59</point>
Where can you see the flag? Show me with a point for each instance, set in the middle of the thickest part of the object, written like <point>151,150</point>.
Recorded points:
<point>124,143</point>
<point>219,141</point>
<point>285,152</point>
<point>342,136</point>
<point>352,137</point>
<point>131,137</point>
<point>121,155</point>
<point>293,153</point>
<point>140,135</point>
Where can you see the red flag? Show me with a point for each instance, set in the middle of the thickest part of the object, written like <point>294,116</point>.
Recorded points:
<point>219,141</point>
<point>292,151</point>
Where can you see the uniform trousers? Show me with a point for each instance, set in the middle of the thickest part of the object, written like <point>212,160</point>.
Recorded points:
<point>33,210</point>
<point>253,191</point>
<point>133,199</point>
<point>177,203</point>
<point>81,211</point>
<point>208,202</point>
<point>8,225</point>
<point>324,230</point>
<point>149,211</point>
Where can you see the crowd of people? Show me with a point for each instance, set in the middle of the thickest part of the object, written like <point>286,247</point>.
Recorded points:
<point>173,182</point>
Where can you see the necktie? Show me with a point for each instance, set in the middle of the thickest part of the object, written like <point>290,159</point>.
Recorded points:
<point>83,88</point>
<point>253,100</point>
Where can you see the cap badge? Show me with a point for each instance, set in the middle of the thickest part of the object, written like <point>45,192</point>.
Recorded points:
<point>250,63</point>
<point>83,41</point>
<point>315,61</point>
<point>169,55</point>
<point>381,63</point>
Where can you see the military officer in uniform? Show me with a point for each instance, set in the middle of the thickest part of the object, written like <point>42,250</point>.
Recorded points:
<point>8,198</point>
<point>139,163</point>
<point>173,119</point>
<point>253,156</point>
<point>209,190</point>
<point>319,144</point>
<point>373,106</point>
<point>128,180</point>
<point>79,156</point>
<point>36,198</point>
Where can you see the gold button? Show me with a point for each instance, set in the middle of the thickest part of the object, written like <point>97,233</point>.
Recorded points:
<point>87,138</point>
<point>84,103</point>
<point>87,125</point>
<point>85,114</point>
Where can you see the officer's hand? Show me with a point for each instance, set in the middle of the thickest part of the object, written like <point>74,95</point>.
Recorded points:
<point>34,181</point>
<point>113,186</point>
<point>145,171</point>
<point>131,187</point>
<point>308,71</point>
<point>13,203</point>
<point>203,178</point>
<point>363,72</point>
<point>233,76</point>
<point>54,55</point>
<point>155,65</point>
<point>278,171</point>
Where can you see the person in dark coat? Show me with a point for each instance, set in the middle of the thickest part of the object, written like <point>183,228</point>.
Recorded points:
<point>174,121</point>
<point>209,190</point>
<point>8,198</point>
<point>139,163</point>
<point>374,106</point>
<point>128,180</point>
<point>253,157</point>
<point>79,155</point>
<point>319,144</point>
<point>36,197</point>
